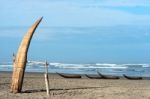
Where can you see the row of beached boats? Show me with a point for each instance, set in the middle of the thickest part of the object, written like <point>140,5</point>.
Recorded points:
<point>99,76</point>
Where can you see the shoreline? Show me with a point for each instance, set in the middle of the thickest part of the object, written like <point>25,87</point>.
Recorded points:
<point>83,75</point>
<point>84,88</point>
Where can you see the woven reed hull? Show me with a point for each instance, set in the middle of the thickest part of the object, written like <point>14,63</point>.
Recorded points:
<point>93,77</point>
<point>21,59</point>
<point>107,77</point>
<point>132,78</point>
<point>69,76</point>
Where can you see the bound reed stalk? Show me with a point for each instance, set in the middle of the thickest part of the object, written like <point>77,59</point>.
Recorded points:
<point>20,60</point>
<point>46,78</point>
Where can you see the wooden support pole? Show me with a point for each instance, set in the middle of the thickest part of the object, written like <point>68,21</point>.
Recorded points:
<point>46,78</point>
<point>14,57</point>
<point>21,59</point>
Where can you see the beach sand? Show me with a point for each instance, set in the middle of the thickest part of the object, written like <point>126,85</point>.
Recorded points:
<point>61,88</point>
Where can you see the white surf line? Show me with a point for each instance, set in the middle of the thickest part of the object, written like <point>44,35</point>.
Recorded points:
<point>94,67</point>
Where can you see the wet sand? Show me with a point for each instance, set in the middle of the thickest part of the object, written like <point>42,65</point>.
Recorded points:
<point>84,88</point>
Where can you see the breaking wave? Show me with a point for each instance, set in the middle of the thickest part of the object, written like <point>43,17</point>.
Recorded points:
<point>116,69</point>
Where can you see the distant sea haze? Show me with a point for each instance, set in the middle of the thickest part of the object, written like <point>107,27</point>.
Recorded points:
<point>104,44</point>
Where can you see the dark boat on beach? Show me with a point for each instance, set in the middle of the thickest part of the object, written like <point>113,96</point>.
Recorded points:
<point>107,76</point>
<point>132,77</point>
<point>69,75</point>
<point>93,77</point>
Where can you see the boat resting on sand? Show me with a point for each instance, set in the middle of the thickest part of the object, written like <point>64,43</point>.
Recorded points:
<point>132,77</point>
<point>69,75</point>
<point>107,76</point>
<point>93,77</point>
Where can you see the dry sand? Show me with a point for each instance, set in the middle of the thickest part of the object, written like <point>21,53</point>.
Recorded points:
<point>60,88</point>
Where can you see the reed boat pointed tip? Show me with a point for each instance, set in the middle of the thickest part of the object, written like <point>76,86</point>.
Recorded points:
<point>37,22</point>
<point>40,19</point>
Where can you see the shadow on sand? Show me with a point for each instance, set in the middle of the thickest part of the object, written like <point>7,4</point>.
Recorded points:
<point>43,90</point>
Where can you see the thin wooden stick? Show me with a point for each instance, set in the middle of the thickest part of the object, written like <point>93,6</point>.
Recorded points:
<point>46,78</point>
<point>14,57</point>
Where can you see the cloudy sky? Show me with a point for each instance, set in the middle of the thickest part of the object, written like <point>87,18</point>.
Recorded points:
<point>78,31</point>
<point>75,12</point>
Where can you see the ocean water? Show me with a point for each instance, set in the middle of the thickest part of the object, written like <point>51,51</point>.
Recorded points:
<point>81,44</point>
<point>109,69</point>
